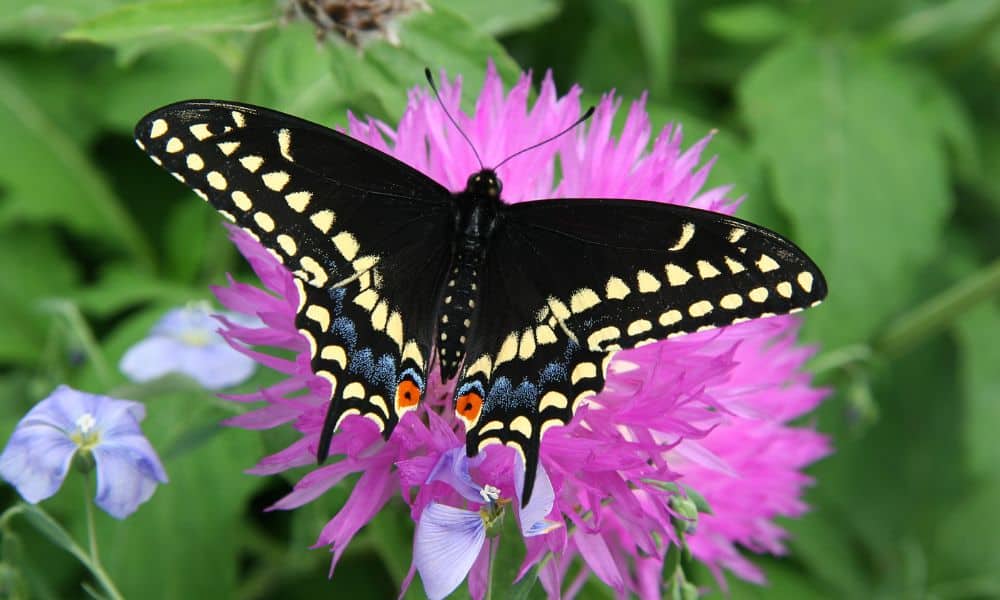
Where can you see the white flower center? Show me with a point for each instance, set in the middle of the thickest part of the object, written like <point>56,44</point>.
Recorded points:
<point>489,494</point>
<point>86,435</point>
<point>85,423</point>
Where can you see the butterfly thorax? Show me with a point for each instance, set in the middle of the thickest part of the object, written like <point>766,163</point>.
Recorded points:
<point>478,207</point>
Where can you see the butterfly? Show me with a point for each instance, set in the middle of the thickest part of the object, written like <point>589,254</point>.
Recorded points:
<point>524,303</point>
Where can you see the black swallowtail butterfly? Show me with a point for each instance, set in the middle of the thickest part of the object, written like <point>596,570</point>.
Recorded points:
<point>527,303</point>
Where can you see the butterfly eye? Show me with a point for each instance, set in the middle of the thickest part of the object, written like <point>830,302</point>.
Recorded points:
<point>469,405</point>
<point>407,394</point>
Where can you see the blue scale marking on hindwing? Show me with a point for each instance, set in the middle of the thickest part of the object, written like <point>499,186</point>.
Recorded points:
<point>553,372</point>
<point>384,373</point>
<point>344,327</point>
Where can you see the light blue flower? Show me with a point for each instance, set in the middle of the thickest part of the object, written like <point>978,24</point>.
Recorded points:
<point>186,340</point>
<point>448,540</point>
<point>70,423</point>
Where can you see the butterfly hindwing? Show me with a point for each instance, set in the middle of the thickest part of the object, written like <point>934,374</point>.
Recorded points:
<point>571,281</point>
<point>344,219</point>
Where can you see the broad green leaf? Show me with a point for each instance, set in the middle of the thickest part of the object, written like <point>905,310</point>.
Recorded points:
<point>323,83</point>
<point>943,109</point>
<point>943,23</point>
<point>300,77</point>
<point>821,544</point>
<point>499,19</point>
<point>978,332</point>
<point>46,177</point>
<point>784,582</point>
<point>175,19</point>
<point>391,532</point>
<point>753,23</point>
<point>508,556</point>
<point>190,524</point>
<point>613,52</point>
<point>120,287</point>
<point>654,24</point>
<point>735,164</point>
<point>904,474</point>
<point>859,174</point>
<point>966,551</point>
<point>39,22</point>
<point>160,76</point>
<point>438,40</point>
<point>34,267</point>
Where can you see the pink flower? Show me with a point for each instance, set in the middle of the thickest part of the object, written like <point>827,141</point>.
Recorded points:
<point>708,410</point>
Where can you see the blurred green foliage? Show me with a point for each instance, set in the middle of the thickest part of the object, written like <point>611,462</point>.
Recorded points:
<point>867,132</point>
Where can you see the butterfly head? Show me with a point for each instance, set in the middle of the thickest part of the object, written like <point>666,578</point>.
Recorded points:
<point>484,183</point>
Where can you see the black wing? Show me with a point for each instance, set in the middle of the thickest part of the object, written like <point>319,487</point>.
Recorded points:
<point>365,235</point>
<point>569,282</point>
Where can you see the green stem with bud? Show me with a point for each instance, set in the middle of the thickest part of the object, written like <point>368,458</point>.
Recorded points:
<point>939,312</point>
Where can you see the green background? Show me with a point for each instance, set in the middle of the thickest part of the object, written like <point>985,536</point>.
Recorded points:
<point>865,131</point>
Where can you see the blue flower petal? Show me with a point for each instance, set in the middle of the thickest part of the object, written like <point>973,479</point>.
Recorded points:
<point>453,469</point>
<point>127,475</point>
<point>40,451</point>
<point>36,459</point>
<point>186,340</point>
<point>152,358</point>
<point>447,542</point>
<point>543,497</point>
<point>217,366</point>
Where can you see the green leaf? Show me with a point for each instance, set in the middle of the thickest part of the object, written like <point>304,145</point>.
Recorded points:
<point>750,23</point>
<point>978,332</point>
<point>735,166</point>
<point>509,555</point>
<point>34,267</point>
<point>39,22</point>
<point>391,531</point>
<point>54,532</point>
<point>497,19</point>
<point>943,23</point>
<point>612,51</point>
<point>943,110</point>
<point>120,287</point>
<point>654,24</point>
<point>438,40</point>
<point>159,76</point>
<point>193,521</point>
<point>859,174</point>
<point>45,177</point>
<point>175,19</point>
<point>966,552</point>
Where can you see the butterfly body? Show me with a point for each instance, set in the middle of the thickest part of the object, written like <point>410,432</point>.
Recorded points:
<point>477,210</point>
<point>524,304</point>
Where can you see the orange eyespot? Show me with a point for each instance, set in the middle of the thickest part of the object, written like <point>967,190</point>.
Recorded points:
<point>469,405</point>
<point>407,394</point>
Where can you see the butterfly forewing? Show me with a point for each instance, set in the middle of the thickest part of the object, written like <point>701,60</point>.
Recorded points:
<point>344,218</point>
<point>571,281</point>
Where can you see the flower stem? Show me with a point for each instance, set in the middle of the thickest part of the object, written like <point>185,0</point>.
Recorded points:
<point>937,313</point>
<point>492,563</point>
<point>91,530</point>
<point>96,569</point>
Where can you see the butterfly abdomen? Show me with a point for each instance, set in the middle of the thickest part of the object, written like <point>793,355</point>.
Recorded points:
<point>458,306</point>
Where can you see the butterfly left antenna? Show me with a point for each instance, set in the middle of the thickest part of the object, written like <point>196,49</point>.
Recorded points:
<point>430,80</point>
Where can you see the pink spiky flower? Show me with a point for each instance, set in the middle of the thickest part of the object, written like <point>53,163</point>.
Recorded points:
<point>708,410</point>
